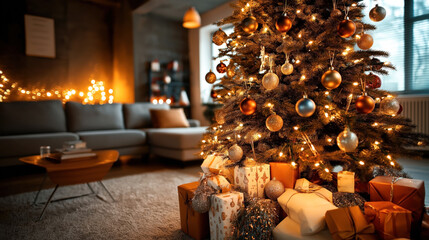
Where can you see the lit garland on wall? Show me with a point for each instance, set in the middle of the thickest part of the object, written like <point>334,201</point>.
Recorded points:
<point>96,93</point>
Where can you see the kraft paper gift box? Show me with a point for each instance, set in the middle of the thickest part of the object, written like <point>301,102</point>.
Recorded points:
<point>285,173</point>
<point>219,182</point>
<point>390,220</point>
<point>307,208</point>
<point>346,181</point>
<point>213,163</point>
<point>252,179</point>
<point>405,192</point>
<point>349,223</point>
<point>192,223</point>
<point>288,229</point>
<point>223,211</point>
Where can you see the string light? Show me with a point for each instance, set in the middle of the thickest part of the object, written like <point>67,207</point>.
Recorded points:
<point>326,170</point>
<point>316,164</point>
<point>296,128</point>
<point>298,11</point>
<point>329,139</point>
<point>298,61</point>
<point>362,163</point>
<point>355,84</point>
<point>293,164</point>
<point>280,154</point>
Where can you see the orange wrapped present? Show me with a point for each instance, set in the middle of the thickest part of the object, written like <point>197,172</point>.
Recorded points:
<point>192,223</point>
<point>349,223</point>
<point>285,173</point>
<point>407,193</point>
<point>390,220</point>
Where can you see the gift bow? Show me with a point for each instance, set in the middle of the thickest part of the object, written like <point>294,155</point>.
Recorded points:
<point>394,180</point>
<point>349,223</point>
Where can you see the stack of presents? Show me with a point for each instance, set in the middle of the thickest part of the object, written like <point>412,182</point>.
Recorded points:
<point>395,208</point>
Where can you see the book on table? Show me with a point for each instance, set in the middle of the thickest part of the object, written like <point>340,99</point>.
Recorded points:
<point>70,155</point>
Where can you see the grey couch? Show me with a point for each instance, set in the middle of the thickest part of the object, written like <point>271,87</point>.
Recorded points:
<point>25,126</point>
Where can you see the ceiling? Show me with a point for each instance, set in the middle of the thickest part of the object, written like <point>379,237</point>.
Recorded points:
<point>175,9</point>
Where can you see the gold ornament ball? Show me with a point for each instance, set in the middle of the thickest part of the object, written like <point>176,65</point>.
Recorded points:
<point>274,123</point>
<point>331,79</point>
<point>346,28</point>
<point>365,41</point>
<point>305,107</point>
<point>347,140</point>
<point>287,68</point>
<point>365,104</point>
<point>389,106</point>
<point>283,23</point>
<point>274,189</point>
<point>210,77</point>
<point>377,13</point>
<point>235,153</point>
<point>219,37</point>
<point>248,106</point>
<point>270,81</point>
<point>221,67</point>
<point>250,25</point>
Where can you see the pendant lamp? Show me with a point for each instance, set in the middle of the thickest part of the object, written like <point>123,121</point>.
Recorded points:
<point>191,19</point>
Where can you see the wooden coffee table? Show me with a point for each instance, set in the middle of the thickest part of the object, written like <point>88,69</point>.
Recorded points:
<point>74,171</point>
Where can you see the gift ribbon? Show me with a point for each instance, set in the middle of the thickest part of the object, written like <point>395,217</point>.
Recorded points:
<point>394,180</point>
<point>305,192</point>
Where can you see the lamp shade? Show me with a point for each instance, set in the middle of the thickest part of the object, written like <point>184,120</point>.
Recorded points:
<point>191,19</point>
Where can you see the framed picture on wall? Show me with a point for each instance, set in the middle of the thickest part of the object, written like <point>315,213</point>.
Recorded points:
<point>39,36</point>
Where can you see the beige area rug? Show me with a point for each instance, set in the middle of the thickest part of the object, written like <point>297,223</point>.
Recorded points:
<point>146,207</point>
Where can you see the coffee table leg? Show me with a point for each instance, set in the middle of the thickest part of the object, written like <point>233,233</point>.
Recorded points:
<point>101,183</point>
<point>40,189</point>
<point>47,203</point>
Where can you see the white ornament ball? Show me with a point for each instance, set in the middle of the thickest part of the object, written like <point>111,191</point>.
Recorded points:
<point>389,106</point>
<point>274,189</point>
<point>347,140</point>
<point>235,153</point>
<point>305,107</point>
<point>270,81</point>
<point>287,68</point>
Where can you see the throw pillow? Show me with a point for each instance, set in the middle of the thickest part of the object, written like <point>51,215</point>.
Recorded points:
<point>171,118</point>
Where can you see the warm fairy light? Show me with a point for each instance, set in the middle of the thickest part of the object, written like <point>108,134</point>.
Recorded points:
<point>327,106</point>
<point>298,11</point>
<point>329,139</point>
<point>214,128</point>
<point>355,84</point>
<point>296,128</point>
<point>420,143</point>
<point>298,61</point>
<point>326,92</point>
<point>392,163</point>
<point>362,163</point>
<point>242,9</point>
<point>168,101</point>
<point>293,164</point>
<point>23,91</point>
<point>229,138</point>
<point>247,5</point>
<point>240,125</point>
<point>358,36</point>
<point>280,154</point>
<point>155,101</point>
<point>239,36</point>
<point>299,35</point>
<point>389,157</point>
<point>376,142</point>
<point>326,115</point>
<point>310,42</point>
<point>302,77</point>
<point>354,5</point>
<point>215,138</point>
<point>48,94</point>
<point>238,136</point>
<point>316,164</point>
<point>326,170</point>
<point>313,17</point>
<point>302,149</point>
<point>203,141</point>
<point>202,153</point>
<point>375,124</point>
<point>389,129</point>
<point>386,63</point>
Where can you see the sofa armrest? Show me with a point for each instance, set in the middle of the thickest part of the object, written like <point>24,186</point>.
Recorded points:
<point>194,122</point>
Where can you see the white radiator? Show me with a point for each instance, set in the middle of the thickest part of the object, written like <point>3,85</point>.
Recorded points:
<point>416,108</point>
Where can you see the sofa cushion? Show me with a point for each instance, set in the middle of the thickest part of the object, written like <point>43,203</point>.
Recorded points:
<point>113,138</point>
<point>29,144</point>
<point>32,117</point>
<point>171,118</point>
<point>176,138</point>
<point>82,117</point>
<point>137,115</point>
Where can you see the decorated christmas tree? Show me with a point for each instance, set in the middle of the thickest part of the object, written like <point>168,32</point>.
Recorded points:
<point>300,98</point>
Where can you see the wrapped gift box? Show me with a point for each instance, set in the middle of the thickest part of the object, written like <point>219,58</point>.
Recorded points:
<point>349,223</point>
<point>288,229</point>
<point>307,208</point>
<point>223,211</point>
<point>390,220</point>
<point>252,179</point>
<point>407,193</point>
<point>192,223</point>
<point>285,173</point>
<point>213,163</point>
<point>346,181</point>
<point>220,183</point>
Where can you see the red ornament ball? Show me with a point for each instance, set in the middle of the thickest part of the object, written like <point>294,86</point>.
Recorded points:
<point>248,106</point>
<point>213,94</point>
<point>373,81</point>
<point>221,67</point>
<point>365,104</point>
<point>346,28</point>
<point>400,109</point>
<point>283,24</point>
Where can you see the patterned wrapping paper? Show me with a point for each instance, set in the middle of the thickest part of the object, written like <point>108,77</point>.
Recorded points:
<point>252,179</point>
<point>285,173</point>
<point>390,220</point>
<point>223,211</point>
<point>219,182</point>
<point>213,163</point>
<point>405,192</point>
<point>192,223</point>
<point>346,181</point>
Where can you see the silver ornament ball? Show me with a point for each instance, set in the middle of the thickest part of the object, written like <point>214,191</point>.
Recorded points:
<point>287,68</point>
<point>270,81</point>
<point>201,203</point>
<point>235,153</point>
<point>389,106</point>
<point>305,107</point>
<point>274,189</point>
<point>347,140</point>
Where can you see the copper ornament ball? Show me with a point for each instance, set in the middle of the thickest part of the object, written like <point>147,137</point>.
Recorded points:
<point>365,41</point>
<point>274,123</point>
<point>221,67</point>
<point>210,77</point>
<point>213,94</point>
<point>283,23</point>
<point>331,79</point>
<point>250,25</point>
<point>219,37</point>
<point>346,28</point>
<point>365,104</point>
<point>248,106</point>
<point>377,13</point>
<point>287,68</point>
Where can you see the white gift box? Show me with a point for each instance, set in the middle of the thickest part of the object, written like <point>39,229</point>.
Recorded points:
<point>252,179</point>
<point>288,229</point>
<point>223,211</point>
<point>346,181</point>
<point>307,208</point>
<point>213,163</point>
<point>219,182</point>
